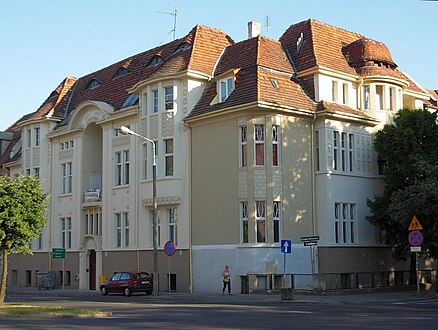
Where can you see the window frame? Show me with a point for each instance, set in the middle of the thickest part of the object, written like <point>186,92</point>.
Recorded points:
<point>66,178</point>
<point>259,144</point>
<point>260,217</point>
<point>226,87</point>
<point>169,100</point>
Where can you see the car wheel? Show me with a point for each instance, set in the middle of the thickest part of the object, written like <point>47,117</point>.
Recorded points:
<point>149,292</point>
<point>127,292</point>
<point>104,290</point>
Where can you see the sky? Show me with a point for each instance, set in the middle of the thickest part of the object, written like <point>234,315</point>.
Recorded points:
<point>44,41</point>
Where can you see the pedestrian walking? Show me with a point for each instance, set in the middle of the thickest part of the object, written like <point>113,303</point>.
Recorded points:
<point>226,279</point>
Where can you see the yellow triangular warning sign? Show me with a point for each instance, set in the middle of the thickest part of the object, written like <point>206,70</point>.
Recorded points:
<point>415,224</point>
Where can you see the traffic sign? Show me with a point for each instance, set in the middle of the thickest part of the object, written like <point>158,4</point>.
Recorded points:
<point>310,243</point>
<point>415,224</point>
<point>415,248</point>
<point>286,246</point>
<point>58,253</point>
<point>415,238</point>
<point>170,248</point>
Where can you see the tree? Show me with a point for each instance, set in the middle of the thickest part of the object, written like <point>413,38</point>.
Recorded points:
<point>22,218</point>
<point>409,149</point>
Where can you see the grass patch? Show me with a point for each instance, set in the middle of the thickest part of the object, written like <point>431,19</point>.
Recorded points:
<point>41,311</point>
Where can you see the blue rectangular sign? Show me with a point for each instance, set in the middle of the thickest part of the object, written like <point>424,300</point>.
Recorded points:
<point>286,246</point>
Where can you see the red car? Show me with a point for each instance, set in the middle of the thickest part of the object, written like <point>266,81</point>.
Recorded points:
<point>127,283</point>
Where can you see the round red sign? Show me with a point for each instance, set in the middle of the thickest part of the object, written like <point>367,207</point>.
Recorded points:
<point>169,248</point>
<point>415,238</point>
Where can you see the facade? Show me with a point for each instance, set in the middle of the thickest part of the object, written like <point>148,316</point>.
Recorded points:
<point>257,141</point>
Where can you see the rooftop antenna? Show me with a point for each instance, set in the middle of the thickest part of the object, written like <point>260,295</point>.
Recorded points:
<point>267,24</point>
<point>174,14</point>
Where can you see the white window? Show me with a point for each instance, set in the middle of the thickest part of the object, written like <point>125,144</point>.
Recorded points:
<point>274,145</point>
<point>334,91</point>
<point>158,227</point>
<point>276,216</point>
<point>122,167</point>
<point>168,98</point>
<point>343,152</point>
<point>66,233</point>
<point>243,147</point>
<point>366,97</point>
<point>226,87</point>
<point>37,136</point>
<point>173,225</point>
<point>122,229</point>
<point>29,138</point>
<point>168,156</point>
<point>260,221</point>
<point>66,178</point>
<point>244,221</point>
<point>379,97</point>
<point>345,93</point>
<point>363,152</point>
<point>93,222</point>
<point>155,100</point>
<point>145,161</point>
<point>392,99</point>
<point>259,133</point>
<point>345,214</point>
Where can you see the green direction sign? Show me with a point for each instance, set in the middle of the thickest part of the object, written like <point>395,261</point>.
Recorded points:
<point>58,253</point>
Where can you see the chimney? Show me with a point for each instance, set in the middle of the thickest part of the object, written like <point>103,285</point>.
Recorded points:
<point>253,29</point>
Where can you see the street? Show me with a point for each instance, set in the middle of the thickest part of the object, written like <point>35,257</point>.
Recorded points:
<point>201,311</point>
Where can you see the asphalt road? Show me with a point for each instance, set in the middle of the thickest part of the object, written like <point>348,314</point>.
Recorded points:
<point>231,312</point>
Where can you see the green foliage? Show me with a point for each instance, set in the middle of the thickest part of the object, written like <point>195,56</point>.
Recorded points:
<point>410,151</point>
<point>22,212</point>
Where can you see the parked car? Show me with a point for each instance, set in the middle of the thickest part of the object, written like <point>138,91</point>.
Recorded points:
<point>127,283</point>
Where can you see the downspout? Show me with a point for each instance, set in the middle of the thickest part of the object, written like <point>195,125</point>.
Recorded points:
<point>189,155</point>
<point>315,268</point>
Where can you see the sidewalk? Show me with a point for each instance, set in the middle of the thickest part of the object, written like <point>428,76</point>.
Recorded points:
<point>378,297</point>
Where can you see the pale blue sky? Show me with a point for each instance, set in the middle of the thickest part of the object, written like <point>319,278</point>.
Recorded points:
<point>44,41</point>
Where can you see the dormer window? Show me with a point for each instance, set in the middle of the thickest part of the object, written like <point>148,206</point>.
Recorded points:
<point>182,46</point>
<point>226,86</point>
<point>93,84</point>
<point>120,73</point>
<point>155,60</point>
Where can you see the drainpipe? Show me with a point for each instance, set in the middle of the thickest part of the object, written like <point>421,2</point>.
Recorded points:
<point>315,268</point>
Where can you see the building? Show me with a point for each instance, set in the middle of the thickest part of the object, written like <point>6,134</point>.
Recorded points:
<point>258,141</point>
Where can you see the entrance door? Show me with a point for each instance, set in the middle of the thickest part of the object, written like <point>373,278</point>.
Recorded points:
<point>92,270</point>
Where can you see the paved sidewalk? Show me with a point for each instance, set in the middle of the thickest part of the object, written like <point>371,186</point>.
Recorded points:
<point>383,296</point>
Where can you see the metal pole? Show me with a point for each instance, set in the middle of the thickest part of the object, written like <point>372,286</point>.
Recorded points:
<point>169,272</point>
<point>284,270</point>
<point>154,222</point>
<point>63,274</point>
<point>418,273</point>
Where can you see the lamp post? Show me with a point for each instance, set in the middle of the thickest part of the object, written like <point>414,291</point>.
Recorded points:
<point>126,130</point>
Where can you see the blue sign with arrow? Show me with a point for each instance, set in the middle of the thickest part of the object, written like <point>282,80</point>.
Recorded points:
<point>286,246</point>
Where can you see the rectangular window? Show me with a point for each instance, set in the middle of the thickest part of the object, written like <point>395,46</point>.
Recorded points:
<point>37,136</point>
<point>66,178</point>
<point>343,150</point>
<point>226,87</point>
<point>345,93</point>
<point>335,150</point>
<point>260,221</point>
<point>29,138</point>
<point>155,100</point>
<point>173,225</point>
<point>122,229</point>
<point>351,152</point>
<point>334,91</point>
<point>317,150</point>
<point>93,223</point>
<point>144,108</point>
<point>66,233</point>
<point>392,99</point>
<point>168,98</point>
<point>259,133</point>
<point>379,97</point>
<point>276,216</point>
<point>345,214</point>
<point>244,221</point>
<point>243,147</point>
<point>168,157</point>
<point>274,145</point>
<point>366,97</point>
<point>122,167</point>
<point>36,172</point>
<point>145,161</point>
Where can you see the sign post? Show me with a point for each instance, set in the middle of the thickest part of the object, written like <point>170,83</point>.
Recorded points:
<point>59,253</point>
<point>311,241</point>
<point>169,249</point>
<point>415,239</point>
<point>286,248</point>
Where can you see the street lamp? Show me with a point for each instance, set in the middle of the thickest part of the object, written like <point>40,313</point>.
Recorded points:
<point>126,130</point>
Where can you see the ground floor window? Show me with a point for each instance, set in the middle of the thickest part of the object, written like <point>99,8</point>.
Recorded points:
<point>345,214</point>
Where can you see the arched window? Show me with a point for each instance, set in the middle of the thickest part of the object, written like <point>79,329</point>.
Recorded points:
<point>121,72</point>
<point>93,84</point>
<point>155,60</point>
